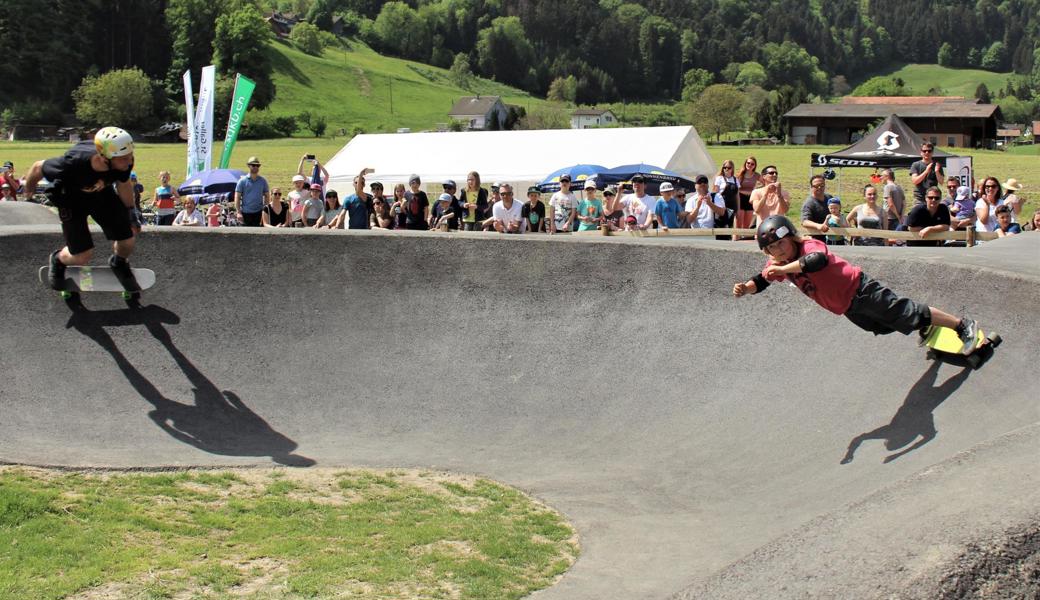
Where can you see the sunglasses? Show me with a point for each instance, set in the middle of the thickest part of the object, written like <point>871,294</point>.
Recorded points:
<point>990,187</point>
<point>770,173</point>
<point>277,194</point>
<point>932,197</point>
<point>924,151</point>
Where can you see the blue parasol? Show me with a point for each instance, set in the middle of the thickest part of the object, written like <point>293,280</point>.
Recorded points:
<point>655,176</point>
<point>578,173</point>
<point>213,181</point>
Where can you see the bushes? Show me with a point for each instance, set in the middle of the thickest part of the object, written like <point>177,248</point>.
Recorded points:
<point>261,124</point>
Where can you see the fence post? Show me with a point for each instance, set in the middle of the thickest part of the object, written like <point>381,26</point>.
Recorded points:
<point>971,236</point>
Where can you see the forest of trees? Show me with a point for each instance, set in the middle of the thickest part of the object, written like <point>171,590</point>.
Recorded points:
<point>778,52</point>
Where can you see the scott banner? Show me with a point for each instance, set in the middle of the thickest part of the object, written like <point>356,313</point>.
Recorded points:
<point>189,113</point>
<point>244,87</point>
<point>204,120</point>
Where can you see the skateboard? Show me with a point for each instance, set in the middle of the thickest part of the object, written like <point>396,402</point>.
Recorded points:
<point>100,279</point>
<point>945,345</point>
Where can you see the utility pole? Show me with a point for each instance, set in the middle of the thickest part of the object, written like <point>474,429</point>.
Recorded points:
<point>391,95</point>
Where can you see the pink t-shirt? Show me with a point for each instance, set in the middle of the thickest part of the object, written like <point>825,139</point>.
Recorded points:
<point>832,287</point>
<point>214,215</point>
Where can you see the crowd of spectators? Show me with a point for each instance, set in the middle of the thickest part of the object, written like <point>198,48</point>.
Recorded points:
<point>733,198</point>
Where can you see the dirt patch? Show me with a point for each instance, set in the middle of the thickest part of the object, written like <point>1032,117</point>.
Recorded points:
<point>1006,568</point>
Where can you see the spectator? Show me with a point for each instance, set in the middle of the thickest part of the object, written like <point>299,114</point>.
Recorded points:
<point>445,214</point>
<point>331,211</point>
<point>1010,199</point>
<point>562,207</point>
<point>507,212</point>
<point>895,201</point>
<point>474,202</point>
<point>590,209</point>
<point>726,184</point>
<point>613,212</point>
<point>928,218</point>
<point>769,198</point>
<point>138,190</point>
<point>667,208</point>
<point>925,173</point>
<point>313,206</point>
<point>213,215</point>
<point>952,183</point>
<point>867,216</point>
<point>7,176</point>
<point>814,210</point>
<point>377,194</point>
<point>297,197</point>
<point>165,201</point>
<point>1005,227</point>
<point>6,193</point>
<point>189,216</point>
<point>358,208</point>
<point>963,209</point>
<point>276,213</point>
<point>985,207</point>
<point>251,195</point>
<point>417,206</point>
<point>748,179</point>
<point>533,212</point>
<point>318,171</point>
<point>398,206</point>
<point>382,217</point>
<point>1034,223</point>
<point>639,204</point>
<point>702,207</point>
<point>836,219</point>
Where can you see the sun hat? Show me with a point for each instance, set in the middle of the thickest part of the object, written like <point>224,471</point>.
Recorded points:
<point>963,193</point>
<point>1012,184</point>
<point>298,177</point>
<point>667,187</point>
<point>590,184</point>
<point>253,160</point>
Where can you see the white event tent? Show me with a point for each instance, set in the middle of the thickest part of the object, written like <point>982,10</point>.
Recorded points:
<point>521,158</point>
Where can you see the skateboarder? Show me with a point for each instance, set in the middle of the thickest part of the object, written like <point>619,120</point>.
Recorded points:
<point>92,179</point>
<point>843,288</point>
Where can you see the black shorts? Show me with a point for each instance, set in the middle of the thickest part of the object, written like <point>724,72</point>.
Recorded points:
<point>108,212</point>
<point>745,202</point>
<point>880,311</point>
<point>252,219</point>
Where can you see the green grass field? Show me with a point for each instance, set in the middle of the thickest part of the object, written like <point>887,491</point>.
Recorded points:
<point>920,78</point>
<point>357,87</point>
<point>273,534</point>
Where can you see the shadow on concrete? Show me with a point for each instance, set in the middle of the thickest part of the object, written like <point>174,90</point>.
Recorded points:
<point>915,418</point>
<point>218,422</point>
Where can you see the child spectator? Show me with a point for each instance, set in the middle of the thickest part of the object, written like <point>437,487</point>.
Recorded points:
<point>667,208</point>
<point>963,208</point>
<point>562,207</point>
<point>843,288</point>
<point>533,212</point>
<point>213,214</point>
<point>507,212</point>
<point>190,216</point>
<point>398,205</point>
<point>165,200</point>
<point>332,209</point>
<point>313,206</point>
<point>417,206</point>
<point>297,197</point>
<point>138,190</point>
<point>445,213</point>
<point>276,213</point>
<point>835,219</point>
<point>590,209</point>
<point>474,203</point>
<point>1005,227</point>
<point>1034,223</point>
<point>382,217</point>
<point>6,193</point>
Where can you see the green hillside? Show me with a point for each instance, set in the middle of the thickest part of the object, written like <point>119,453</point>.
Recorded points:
<point>919,79</point>
<point>357,87</point>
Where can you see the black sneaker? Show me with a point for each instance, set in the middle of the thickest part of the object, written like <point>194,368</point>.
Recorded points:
<point>968,331</point>
<point>56,272</point>
<point>121,268</point>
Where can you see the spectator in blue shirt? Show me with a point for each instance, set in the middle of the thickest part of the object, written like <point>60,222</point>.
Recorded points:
<point>251,195</point>
<point>667,209</point>
<point>357,208</point>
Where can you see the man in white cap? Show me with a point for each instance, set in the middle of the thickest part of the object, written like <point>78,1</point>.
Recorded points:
<point>667,209</point>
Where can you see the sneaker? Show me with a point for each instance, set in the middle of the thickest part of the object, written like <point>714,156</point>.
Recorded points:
<point>56,272</point>
<point>121,267</point>
<point>925,332</point>
<point>968,331</point>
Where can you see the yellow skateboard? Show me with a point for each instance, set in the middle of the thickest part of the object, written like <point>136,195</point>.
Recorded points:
<point>945,345</point>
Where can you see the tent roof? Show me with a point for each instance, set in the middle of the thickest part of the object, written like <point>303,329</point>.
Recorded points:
<point>518,157</point>
<point>890,145</point>
<point>955,110</point>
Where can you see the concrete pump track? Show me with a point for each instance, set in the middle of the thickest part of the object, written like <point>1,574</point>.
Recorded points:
<point>696,441</point>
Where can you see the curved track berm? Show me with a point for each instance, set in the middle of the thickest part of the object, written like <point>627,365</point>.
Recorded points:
<point>703,446</point>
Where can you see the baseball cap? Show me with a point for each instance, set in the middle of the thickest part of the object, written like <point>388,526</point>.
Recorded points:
<point>590,184</point>
<point>534,190</point>
<point>610,191</point>
<point>8,164</point>
<point>963,192</point>
<point>639,179</point>
<point>445,198</point>
<point>667,187</point>
<point>495,186</point>
<point>630,219</point>
<point>6,185</point>
<point>449,183</point>
<point>316,186</point>
<point>565,177</point>
<point>834,200</point>
<point>298,177</point>
<point>253,160</point>
<point>701,179</point>
<point>376,184</point>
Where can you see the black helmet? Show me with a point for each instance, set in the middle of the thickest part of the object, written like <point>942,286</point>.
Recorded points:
<point>773,229</point>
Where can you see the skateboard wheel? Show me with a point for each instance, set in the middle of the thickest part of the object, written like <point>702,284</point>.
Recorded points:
<point>930,355</point>
<point>995,340</point>
<point>66,295</point>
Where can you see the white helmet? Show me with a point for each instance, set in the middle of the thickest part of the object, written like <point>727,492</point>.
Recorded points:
<point>113,141</point>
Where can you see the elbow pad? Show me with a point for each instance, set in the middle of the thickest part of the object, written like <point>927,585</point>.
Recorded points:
<point>761,282</point>
<point>813,262</point>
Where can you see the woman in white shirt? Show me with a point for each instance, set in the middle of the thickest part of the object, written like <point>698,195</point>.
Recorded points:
<point>189,216</point>
<point>986,206</point>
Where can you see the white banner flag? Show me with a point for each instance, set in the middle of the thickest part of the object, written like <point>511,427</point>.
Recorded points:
<point>204,119</point>
<point>189,112</point>
<point>961,168</point>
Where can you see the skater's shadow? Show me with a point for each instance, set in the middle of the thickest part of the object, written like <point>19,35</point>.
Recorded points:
<point>217,422</point>
<point>915,418</point>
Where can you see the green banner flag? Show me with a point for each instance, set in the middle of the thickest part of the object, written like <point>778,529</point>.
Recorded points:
<point>244,87</point>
